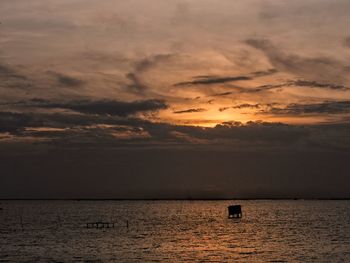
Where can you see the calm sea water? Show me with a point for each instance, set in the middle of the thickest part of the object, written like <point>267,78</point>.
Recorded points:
<point>175,231</point>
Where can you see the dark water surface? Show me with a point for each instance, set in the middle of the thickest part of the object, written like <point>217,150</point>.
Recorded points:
<point>175,231</point>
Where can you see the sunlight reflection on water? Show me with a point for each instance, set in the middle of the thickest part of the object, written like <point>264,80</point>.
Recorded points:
<point>175,231</point>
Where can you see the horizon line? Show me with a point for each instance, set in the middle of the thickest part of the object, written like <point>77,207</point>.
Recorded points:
<point>170,199</point>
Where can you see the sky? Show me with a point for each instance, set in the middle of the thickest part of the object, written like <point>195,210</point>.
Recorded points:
<point>174,99</point>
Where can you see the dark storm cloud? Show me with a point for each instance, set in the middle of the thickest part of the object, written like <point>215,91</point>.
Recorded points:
<point>190,111</point>
<point>13,122</point>
<point>237,133</point>
<point>130,136</point>
<point>102,131</point>
<point>253,131</point>
<point>253,136</point>
<point>68,128</point>
<point>210,80</point>
<point>259,131</point>
<point>332,107</point>
<point>104,107</point>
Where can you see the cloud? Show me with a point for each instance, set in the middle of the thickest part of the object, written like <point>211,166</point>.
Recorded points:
<point>102,107</point>
<point>265,72</point>
<point>247,106</point>
<point>320,68</point>
<point>210,80</point>
<point>17,123</point>
<point>13,122</point>
<point>259,131</point>
<point>141,66</point>
<point>68,81</point>
<point>263,88</point>
<point>7,73</point>
<point>346,42</point>
<point>190,111</point>
<point>296,83</point>
<point>62,129</point>
<point>331,107</point>
<point>221,94</point>
<point>137,84</point>
<point>250,106</point>
<point>315,84</point>
<point>223,109</point>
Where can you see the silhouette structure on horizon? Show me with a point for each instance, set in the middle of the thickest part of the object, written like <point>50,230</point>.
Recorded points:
<point>234,211</point>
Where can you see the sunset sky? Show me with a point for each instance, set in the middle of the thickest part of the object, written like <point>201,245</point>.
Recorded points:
<point>174,99</point>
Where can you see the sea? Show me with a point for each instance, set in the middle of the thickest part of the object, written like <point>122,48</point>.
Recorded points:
<point>175,231</point>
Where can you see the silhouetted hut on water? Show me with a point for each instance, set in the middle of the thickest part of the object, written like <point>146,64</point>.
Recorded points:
<point>234,211</point>
<point>100,225</point>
